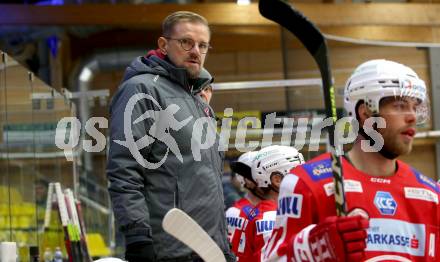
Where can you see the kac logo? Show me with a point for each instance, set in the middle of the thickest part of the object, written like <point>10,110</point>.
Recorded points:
<point>385,202</point>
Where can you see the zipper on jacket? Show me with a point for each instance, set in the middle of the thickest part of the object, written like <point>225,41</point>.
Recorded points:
<point>176,197</point>
<point>155,78</point>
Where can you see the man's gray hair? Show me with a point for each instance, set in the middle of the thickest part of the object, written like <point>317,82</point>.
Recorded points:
<point>181,16</point>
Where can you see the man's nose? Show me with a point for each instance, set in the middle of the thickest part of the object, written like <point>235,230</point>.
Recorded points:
<point>411,116</point>
<point>195,49</point>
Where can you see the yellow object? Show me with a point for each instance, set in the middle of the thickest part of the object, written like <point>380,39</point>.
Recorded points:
<point>12,194</point>
<point>96,244</point>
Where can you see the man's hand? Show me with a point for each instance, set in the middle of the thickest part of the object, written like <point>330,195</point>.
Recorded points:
<point>335,239</point>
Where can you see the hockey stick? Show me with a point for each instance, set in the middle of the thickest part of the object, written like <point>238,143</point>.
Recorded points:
<point>47,213</point>
<point>73,231</point>
<point>78,231</point>
<point>62,209</point>
<point>181,226</point>
<point>312,39</point>
<point>83,229</point>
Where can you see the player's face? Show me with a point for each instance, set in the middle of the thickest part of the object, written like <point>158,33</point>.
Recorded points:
<point>236,183</point>
<point>193,59</point>
<point>400,117</point>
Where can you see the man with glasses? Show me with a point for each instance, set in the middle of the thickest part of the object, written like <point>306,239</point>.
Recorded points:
<point>165,80</point>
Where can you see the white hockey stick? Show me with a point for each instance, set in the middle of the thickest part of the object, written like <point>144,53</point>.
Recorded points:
<point>181,226</point>
<point>49,200</point>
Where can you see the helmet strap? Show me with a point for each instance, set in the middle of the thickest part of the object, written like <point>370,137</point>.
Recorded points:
<point>262,193</point>
<point>275,189</point>
<point>258,193</point>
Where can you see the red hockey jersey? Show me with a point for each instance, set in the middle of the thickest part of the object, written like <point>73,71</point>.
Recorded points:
<point>237,218</point>
<point>403,210</point>
<point>258,232</point>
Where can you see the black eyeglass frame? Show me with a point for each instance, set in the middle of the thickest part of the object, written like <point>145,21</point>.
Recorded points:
<point>181,40</point>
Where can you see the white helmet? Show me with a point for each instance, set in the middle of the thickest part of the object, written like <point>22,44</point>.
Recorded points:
<point>110,259</point>
<point>280,159</point>
<point>243,166</point>
<point>376,79</point>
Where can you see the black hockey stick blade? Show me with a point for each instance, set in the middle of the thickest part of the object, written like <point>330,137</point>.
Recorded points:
<point>313,40</point>
<point>283,14</point>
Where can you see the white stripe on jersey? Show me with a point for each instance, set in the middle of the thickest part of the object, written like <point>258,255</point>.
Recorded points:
<point>287,187</point>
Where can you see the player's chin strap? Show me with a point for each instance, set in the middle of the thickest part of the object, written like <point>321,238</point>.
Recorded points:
<point>254,191</point>
<point>260,194</point>
<point>383,151</point>
<point>276,189</point>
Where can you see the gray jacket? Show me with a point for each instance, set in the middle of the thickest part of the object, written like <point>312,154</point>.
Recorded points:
<point>141,196</point>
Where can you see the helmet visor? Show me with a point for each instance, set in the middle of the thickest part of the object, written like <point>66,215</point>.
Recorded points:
<point>405,105</point>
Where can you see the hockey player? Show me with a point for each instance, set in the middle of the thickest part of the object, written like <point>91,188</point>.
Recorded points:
<point>401,204</point>
<point>243,167</point>
<point>237,215</point>
<point>268,169</point>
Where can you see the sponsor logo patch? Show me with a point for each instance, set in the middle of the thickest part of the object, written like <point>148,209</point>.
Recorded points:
<point>349,186</point>
<point>319,170</point>
<point>264,226</point>
<point>290,205</point>
<point>380,180</point>
<point>427,181</point>
<point>250,212</point>
<point>235,222</point>
<point>421,194</point>
<point>385,202</point>
<point>392,235</point>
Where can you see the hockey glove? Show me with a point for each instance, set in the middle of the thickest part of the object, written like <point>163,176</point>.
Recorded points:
<point>335,239</point>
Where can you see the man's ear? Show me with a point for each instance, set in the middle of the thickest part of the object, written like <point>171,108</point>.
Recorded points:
<point>162,44</point>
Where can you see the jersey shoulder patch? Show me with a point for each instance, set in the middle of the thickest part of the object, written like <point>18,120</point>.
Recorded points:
<point>319,169</point>
<point>250,212</point>
<point>427,181</point>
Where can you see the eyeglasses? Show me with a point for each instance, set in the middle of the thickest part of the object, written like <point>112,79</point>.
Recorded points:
<point>188,44</point>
